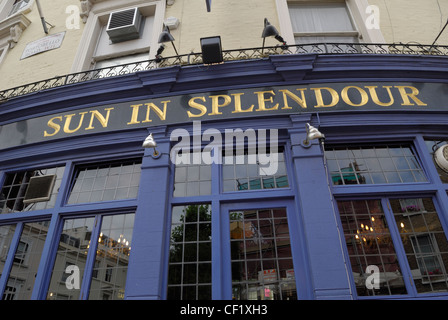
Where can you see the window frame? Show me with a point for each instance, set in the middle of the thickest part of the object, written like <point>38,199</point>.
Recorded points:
<point>433,188</point>
<point>357,9</point>
<point>97,18</point>
<point>56,215</point>
<point>223,201</point>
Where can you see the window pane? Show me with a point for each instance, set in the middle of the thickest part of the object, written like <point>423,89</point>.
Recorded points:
<point>192,177</point>
<point>424,242</point>
<point>320,18</point>
<point>190,267</point>
<point>369,244</point>
<point>17,184</point>
<point>106,182</point>
<point>373,165</point>
<point>241,172</point>
<point>72,253</point>
<point>112,258</point>
<point>262,267</point>
<point>6,234</point>
<point>26,261</point>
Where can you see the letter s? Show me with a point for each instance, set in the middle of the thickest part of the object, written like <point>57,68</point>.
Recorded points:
<point>54,126</point>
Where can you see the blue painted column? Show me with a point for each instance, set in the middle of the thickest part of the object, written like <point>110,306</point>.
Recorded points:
<point>325,253</point>
<point>149,242</point>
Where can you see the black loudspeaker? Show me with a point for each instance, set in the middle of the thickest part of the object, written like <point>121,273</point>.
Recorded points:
<point>211,50</point>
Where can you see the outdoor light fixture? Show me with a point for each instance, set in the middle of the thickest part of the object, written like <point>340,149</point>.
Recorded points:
<point>312,134</point>
<point>211,50</point>
<point>150,143</point>
<point>270,31</point>
<point>166,36</point>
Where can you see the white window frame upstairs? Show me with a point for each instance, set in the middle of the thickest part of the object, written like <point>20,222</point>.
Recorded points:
<point>358,11</point>
<point>86,58</point>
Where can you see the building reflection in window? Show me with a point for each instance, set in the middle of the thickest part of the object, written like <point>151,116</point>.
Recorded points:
<point>369,243</point>
<point>424,242</point>
<point>373,165</point>
<point>262,266</point>
<point>190,261</point>
<point>241,173</point>
<point>112,258</point>
<point>26,261</point>
<point>73,247</point>
<point>192,176</point>
<point>6,234</point>
<point>113,248</point>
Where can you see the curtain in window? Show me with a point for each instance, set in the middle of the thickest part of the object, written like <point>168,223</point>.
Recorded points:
<point>320,18</point>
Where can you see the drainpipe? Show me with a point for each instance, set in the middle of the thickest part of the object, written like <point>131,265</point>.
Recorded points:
<point>44,24</point>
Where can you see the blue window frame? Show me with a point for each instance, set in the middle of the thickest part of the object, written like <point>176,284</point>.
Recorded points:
<point>32,229</point>
<point>395,234</point>
<point>222,203</point>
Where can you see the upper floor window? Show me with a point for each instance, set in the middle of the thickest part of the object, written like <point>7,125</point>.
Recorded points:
<point>18,5</point>
<point>322,22</point>
<point>11,7</point>
<point>123,34</point>
<point>102,45</point>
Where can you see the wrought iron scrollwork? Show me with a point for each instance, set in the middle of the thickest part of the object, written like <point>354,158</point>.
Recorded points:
<point>228,55</point>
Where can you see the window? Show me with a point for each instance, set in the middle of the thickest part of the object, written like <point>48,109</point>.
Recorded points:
<point>16,185</point>
<point>262,266</point>
<point>10,7</point>
<point>322,22</point>
<point>6,234</point>
<point>105,182</point>
<point>111,249</point>
<point>369,243</point>
<point>254,245</point>
<point>424,242</point>
<point>190,265</point>
<point>373,165</point>
<point>97,51</point>
<point>369,231</point>
<point>26,260</point>
<point>191,178</point>
<point>240,173</point>
<point>18,6</point>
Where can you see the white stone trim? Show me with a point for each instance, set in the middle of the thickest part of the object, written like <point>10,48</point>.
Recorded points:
<point>96,17</point>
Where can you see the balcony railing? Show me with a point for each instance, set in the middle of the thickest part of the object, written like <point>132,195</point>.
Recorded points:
<point>228,55</point>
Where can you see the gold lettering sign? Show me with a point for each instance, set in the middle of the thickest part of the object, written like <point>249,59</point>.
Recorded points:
<point>229,105</point>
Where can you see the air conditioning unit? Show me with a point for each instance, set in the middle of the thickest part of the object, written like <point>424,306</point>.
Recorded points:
<point>124,25</point>
<point>39,189</point>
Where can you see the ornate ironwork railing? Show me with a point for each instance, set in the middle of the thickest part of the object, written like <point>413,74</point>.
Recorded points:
<point>228,55</point>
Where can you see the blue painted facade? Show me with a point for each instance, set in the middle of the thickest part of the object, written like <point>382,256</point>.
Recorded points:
<point>321,262</point>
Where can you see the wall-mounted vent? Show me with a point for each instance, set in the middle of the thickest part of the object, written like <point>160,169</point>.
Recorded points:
<point>39,188</point>
<point>124,25</point>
